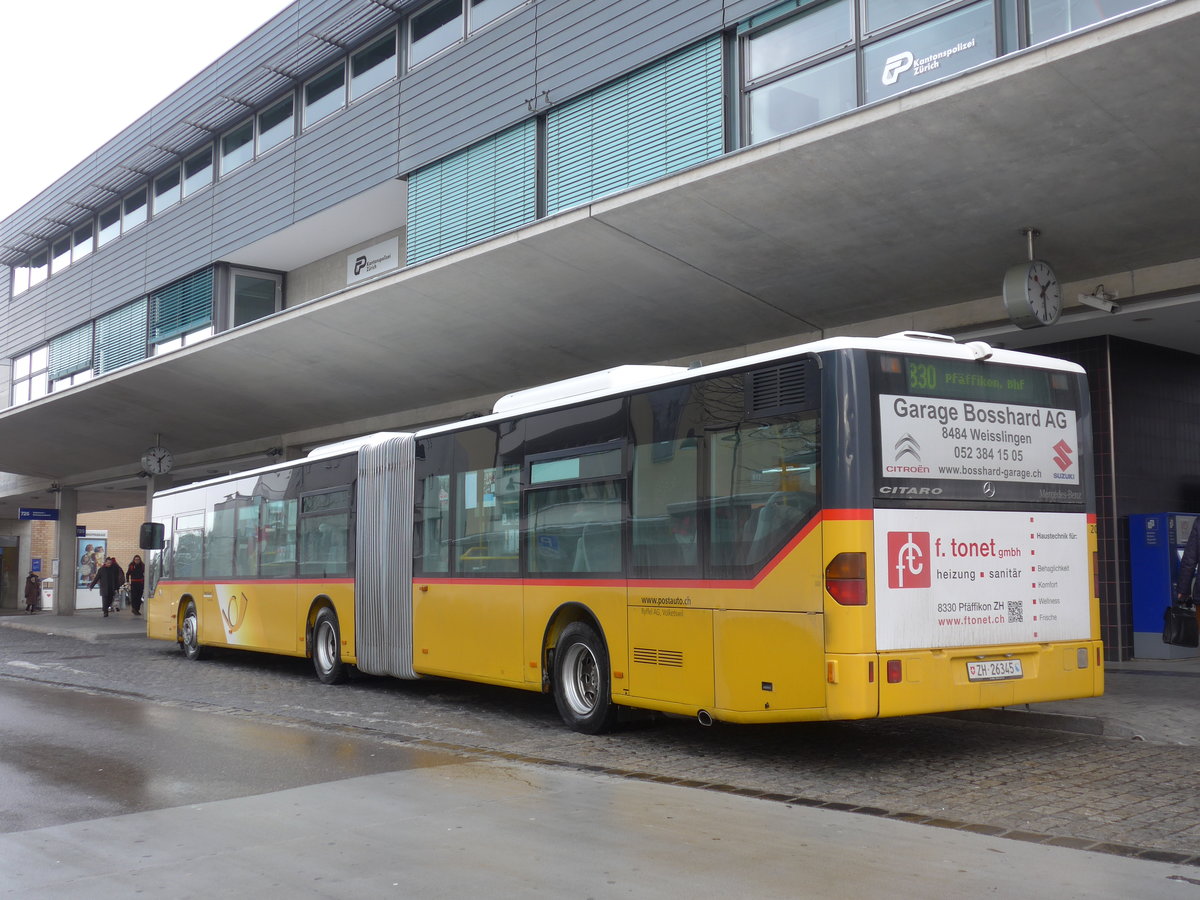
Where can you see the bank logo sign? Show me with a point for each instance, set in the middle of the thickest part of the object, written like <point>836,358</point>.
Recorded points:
<point>372,261</point>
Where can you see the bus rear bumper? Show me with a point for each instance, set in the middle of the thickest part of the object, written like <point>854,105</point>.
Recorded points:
<point>928,681</point>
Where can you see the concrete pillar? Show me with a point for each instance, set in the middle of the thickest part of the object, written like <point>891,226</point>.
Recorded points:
<point>67,552</point>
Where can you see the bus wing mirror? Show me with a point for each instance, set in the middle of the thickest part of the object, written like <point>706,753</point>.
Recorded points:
<point>150,537</point>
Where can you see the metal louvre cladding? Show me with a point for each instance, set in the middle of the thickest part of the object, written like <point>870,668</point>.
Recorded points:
<point>664,118</point>
<point>477,192</point>
<point>121,337</point>
<point>71,352</point>
<point>383,612</point>
<point>183,306</point>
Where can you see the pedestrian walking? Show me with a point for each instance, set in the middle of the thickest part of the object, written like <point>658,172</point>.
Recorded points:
<point>110,577</point>
<point>33,592</point>
<point>136,575</point>
<point>1185,590</point>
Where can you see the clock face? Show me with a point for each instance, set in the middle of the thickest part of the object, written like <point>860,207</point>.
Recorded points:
<point>1032,294</point>
<point>157,460</point>
<point>1045,293</point>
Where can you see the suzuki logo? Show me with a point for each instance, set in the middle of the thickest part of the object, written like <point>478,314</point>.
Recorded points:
<point>907,446</point>
<point>1062,455</point>
<point>895,65</point>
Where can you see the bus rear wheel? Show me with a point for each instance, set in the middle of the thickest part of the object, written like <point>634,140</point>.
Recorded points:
<point>327,648</point>
<point>582,687</point>
<point>189,633</point>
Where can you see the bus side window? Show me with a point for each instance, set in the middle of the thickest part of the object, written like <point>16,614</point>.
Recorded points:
<point>431,524</point>
<point>764,483</point>
<point>487,520</point>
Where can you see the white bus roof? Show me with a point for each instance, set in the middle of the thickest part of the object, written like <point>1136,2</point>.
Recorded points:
<point>621,379</point>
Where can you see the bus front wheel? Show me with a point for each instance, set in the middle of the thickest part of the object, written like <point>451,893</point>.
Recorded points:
<point>189,633</point>
<point>327,648</point>
<point>582,680</point>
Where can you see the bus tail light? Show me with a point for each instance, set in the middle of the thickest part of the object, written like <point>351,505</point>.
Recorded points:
<point>846,579</point>
<point>895,671</point>
<point>1095,573</point>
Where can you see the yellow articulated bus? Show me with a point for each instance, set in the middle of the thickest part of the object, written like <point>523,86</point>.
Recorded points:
<point>847,529</point>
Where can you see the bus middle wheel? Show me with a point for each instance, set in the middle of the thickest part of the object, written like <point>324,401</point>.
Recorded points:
<point>582,680</point>
<point>327,648</point>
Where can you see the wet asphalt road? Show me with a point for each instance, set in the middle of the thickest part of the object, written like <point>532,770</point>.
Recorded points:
<point>108,796</point>
<point>1118,796</point>
<point>71,756</point>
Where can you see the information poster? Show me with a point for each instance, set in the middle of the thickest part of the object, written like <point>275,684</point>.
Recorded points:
<point>954,578</point>
<point>964,439</point>
<point>92,551</point>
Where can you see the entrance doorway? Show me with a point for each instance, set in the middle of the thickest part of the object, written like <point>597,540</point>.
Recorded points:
<point>11,583</point>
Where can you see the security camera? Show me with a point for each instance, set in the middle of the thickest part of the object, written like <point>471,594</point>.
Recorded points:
<point>1100,299</point>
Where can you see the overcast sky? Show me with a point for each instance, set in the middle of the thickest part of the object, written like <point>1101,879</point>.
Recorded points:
<point>73,73</point>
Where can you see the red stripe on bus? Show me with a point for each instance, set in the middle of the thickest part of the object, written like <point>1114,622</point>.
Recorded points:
<point>185,581</point>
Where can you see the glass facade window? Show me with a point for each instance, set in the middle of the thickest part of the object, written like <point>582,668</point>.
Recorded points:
<point>930,51</point>
<point>20,277</point>
<point>39,267</point>
<point>277,123</point>
<point>197,171</point>
<point>60,254</point>
<point>484,12</point>
<point>803,99</point>
<point>30,375</point>
<point>108,225</point>
<point>1050,18</point>
<point>167,190</point>
<point>237,147</point>
<point>434,29</point>
<point>372,66</point>
<point>253,295</point>
<point>879,14</point>
<point>83,241</point>
<point>61,384</point>
<point>134,209</point>
<point>325,94</point>
<point>775,49</point>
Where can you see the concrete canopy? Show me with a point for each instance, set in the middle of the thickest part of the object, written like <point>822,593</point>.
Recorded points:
<point>898,210</point>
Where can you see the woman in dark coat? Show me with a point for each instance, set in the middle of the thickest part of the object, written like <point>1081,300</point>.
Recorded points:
<point>33,592</point>
<point>110,577</point>
<point>136,575</point>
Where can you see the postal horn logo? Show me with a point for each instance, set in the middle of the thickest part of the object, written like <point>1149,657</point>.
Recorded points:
<point>907,446</point>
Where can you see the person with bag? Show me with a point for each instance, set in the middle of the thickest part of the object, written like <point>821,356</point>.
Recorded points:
<point>1180,626</point>
<point>110,577</point>
<point>136,576</point>
<point>33,593</point>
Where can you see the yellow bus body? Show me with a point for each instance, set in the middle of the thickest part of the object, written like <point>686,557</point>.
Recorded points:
<point>775,649</point>
<point>269,616</point>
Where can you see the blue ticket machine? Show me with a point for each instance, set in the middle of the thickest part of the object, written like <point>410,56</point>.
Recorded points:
<point>1156,544</point>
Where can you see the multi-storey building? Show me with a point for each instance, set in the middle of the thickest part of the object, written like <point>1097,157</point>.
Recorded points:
<point>380,213</point>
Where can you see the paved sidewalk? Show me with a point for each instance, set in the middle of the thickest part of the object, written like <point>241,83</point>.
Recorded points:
<point>1155,700</point>
<point>85,625</point>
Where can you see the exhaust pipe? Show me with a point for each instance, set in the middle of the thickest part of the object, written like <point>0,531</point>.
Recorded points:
<point>704,718</point>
